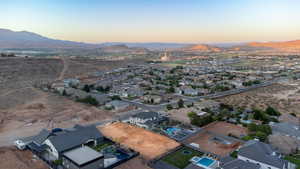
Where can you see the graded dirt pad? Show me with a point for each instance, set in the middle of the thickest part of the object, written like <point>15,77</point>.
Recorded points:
<point>11,158</point>
<point>226,129</point>
<point>285,98</point>
<point>150,145</point>
<point>135,163</point>
<point>206,142</point>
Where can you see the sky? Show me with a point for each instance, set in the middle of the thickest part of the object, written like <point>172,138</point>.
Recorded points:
<point>155,20</point>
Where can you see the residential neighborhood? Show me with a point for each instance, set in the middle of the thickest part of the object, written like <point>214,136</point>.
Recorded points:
<point>171,118</point>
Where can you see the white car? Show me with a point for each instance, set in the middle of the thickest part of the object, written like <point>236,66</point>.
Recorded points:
<point>20,144</point>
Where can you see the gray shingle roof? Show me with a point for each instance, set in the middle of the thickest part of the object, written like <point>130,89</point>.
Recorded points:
<point>146,115</point>
<point>193,166</point>
<point>286,129</point>
<point>75,137</point>
<point>261,152</point>
<point>232,163</point>
<point>41,137</point>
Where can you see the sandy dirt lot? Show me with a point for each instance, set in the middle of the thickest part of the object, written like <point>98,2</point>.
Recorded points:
<point>181,114</point>
<point>49,111</point>
<point>137,162</point>
<point>206,143</point>
<point>11,158</point>
<point>225,129</point>
<point>150,145</point>
<point>284,97</point>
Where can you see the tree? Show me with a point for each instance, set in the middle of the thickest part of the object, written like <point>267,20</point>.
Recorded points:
<point>180,103</point>
<point>169,107</point>
<point>86,88</point>
<point>89,100</point>
<point>64,93</point>
<point>272,112</point>
<point>170,90</point>
<point>260,115</point>
<point>115,97</point>
<point>261,136</point>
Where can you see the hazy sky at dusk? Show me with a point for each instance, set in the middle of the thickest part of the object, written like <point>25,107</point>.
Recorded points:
<point>155,20</point>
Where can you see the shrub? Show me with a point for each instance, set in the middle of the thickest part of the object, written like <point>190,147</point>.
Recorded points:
<point>180,103</point>
<point>272,112</point>
<point>169,107</point>
<point>89,100</point>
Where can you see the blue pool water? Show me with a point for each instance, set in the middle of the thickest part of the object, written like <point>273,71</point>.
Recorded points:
<point>121,156</point>
<point>205,161</point>
<point>172,130</point>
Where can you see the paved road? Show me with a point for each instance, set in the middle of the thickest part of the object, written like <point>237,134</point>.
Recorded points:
<point>161,107</point>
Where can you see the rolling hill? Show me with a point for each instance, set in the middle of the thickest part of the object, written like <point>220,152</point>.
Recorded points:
<point>201,48</point>
<point>287,45</point>
<point>24,39</point>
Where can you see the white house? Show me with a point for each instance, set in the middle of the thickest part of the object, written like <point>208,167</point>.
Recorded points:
<point>145,119</point>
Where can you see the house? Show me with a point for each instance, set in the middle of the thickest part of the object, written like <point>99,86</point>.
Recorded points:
<point>284,144</point>
<point>83,158</point>
<point>51,145</point>
<point>58,87</point>
<point>185,90</point>
<point>264,155</point>
<point>102,99</point>
<point>76,93</point>
<point>71,82</point>
<point>152,99</point>
<point>287,129</point>
<point>117,105</point>
<point>210,104</point>
<point>232,163</point>
<point>145,119</point>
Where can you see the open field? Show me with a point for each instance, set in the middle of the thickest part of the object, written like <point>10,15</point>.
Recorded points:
<point>11,158</point>
<point>284,97</point>
<point>150,145</point>
<point>226,129</point>
<point>213,143</point>
<point>49,111</point>
<point>25,110</point>
<point>17,77</point>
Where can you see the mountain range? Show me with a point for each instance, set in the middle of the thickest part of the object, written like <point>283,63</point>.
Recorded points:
<point>24,39</point>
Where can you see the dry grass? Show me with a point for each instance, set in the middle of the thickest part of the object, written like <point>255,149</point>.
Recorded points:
<point>11,158</point>
<point>225,129</point>
<point>273,95</point>
<point>149,144</point>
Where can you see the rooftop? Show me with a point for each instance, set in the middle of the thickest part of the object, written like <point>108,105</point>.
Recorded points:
<point>82,155</point>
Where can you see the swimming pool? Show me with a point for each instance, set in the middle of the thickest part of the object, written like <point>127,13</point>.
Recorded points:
<point>204,162</point>
<point>172,130</point>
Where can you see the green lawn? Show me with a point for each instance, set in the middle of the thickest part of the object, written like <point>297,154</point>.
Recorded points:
<point>179,159</point>
<point>294,159</point>
<point>99,147</point>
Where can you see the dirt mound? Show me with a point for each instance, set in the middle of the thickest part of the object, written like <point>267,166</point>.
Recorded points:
<point>39,106</point>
